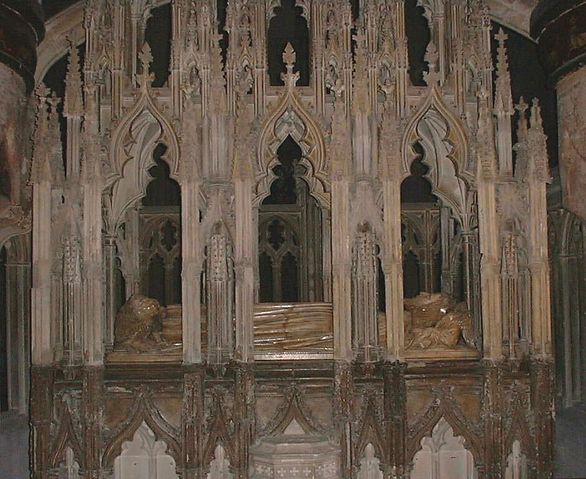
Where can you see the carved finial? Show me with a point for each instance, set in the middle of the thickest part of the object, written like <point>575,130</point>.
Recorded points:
<point>522,164</point>
<point>431,77</point>
<point>146,58</point>
<point>538,144</point>
<point>73,103</point>
<point>522,124</point>
<point>289,57</point>
<point>536,119</point>
<point>504,97</point>
<point>361,101</point>
<point>485,136</point>
<point>338,88</point>
<point>47,155</point>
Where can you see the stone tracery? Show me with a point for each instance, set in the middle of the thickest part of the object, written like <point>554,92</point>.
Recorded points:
<point>355,124</point>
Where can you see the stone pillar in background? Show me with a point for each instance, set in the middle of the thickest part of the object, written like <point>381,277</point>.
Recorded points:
<point>21,30</point>
<point>560,29</point>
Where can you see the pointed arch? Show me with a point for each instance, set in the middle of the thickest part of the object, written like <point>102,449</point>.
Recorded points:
<point>291,410</point>
<point>66,437</point>
<point>291,118</point>
<point>447,450</point>
<point>519,427</point>
<point>131,154</point>
<point>371,433</point>
<point>219,435</point>
<point>143,411</point>
<point>447,409</point>
<point>455,136</point>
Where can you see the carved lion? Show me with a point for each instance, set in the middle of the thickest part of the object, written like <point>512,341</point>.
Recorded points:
<point>139,324</point>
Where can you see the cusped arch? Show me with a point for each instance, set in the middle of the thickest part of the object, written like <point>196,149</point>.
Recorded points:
<point>143,411</point>
<point>445,408</point>
<point>290,118</point>
<point>455,136</point>
<point>119,145</point>
<point>131,155</point>
<point>444,141</point>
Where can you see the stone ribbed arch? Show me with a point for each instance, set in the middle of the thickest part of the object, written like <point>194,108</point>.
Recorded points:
<point>131,154</point>
<point>142,410</point>
<point>290,118</point>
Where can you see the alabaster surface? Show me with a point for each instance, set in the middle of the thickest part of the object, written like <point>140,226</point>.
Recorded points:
<point>433,323</point>
<point>138,324</point>
<point>437,321</point>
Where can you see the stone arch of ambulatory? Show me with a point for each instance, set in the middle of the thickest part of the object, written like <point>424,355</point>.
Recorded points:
<point>567,246</point>
<point>291,409</point>
<point>449,410</point>
<point>371,433</point>
<point>62,30</point>
<point>290,118</point>
<point>305,6</point>
<point>131,155</point>
<point>444,140</point>
<point>66,437</point>
<point>17,243</point>
<point>142,410</point>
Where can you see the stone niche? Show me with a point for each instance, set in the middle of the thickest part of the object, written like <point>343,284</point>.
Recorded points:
<point>296,454</point>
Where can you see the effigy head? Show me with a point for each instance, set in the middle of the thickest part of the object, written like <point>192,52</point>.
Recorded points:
<point>138,323</point>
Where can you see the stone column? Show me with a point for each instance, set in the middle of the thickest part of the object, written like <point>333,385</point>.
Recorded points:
<point>559,29</point>
<point>244,269</point>
<point>395,400</point>
<point>18,282</point>
<point>21,30</point>
<point>192,421</point>
<point>191,271</point>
